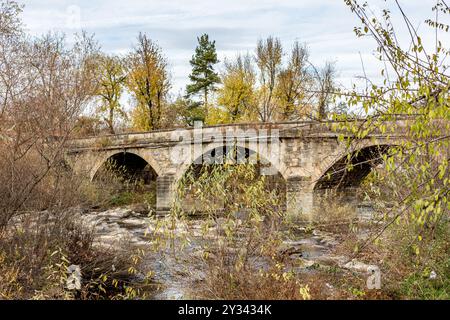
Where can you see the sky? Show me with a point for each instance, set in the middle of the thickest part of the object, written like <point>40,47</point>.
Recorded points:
<point>326,26</point>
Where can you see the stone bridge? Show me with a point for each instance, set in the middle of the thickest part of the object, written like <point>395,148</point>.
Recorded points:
<point>308,155</point>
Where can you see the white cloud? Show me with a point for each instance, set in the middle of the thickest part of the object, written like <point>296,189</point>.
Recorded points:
<point>326,25</point>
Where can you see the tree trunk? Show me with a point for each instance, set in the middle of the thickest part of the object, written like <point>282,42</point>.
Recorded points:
<point>111,121</point>
<point>321,114</point>
<point>206,103</point>
<point>150,115</point>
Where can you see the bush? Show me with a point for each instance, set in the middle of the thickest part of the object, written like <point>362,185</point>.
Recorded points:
<point>239,233</point>
<point>36,251</point>
<point>418,267</point>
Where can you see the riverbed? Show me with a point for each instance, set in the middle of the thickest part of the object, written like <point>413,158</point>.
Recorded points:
<point>178,266</point>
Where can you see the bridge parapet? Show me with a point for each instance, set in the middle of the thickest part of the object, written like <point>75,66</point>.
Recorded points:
<point>168,137</point>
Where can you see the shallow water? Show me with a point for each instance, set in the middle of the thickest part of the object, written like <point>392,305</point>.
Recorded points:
<point>177,271</point>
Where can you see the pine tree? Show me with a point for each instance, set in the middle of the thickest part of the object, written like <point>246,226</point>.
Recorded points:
<point>203,77</point>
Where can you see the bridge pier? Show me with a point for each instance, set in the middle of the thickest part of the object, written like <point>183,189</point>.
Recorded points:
<point>165,186</point>
<point>299,197</point>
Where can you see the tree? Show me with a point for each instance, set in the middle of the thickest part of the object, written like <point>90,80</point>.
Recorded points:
<point>293,85</point>
<point>184,111</point>
<point>325,88</point>
<point>237,94</point>
<point>203,77</point>
<point>45,85</point>
<point>149,82</point>
<point>412,99</point>
<point>112,79</point>
<point>269,55</point>
<point>10,23</point>
<point>87,126</point>
<point>274,91</point>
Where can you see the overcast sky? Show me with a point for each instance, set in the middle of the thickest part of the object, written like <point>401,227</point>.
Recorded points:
<point>325,25</point>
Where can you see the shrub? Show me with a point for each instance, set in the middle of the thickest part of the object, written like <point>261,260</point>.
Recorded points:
<point>239,231</point>
<point>35,254</point>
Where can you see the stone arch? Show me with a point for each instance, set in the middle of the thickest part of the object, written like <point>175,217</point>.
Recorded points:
<point>106,155</point>
<point>363,158</point>
<point>209,149</point>
<point>131,165</point>
<point>242,153</point>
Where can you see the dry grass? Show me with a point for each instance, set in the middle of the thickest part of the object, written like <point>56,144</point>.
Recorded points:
<point>36,252</point>
<point>253,284</point>
<point>332,211</point>
<point>249,267</point>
